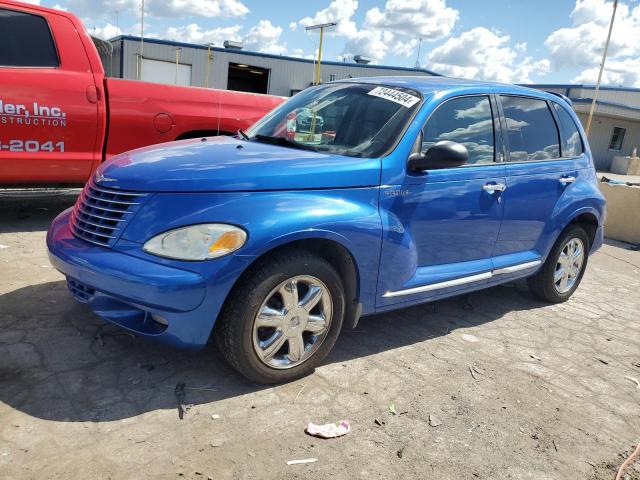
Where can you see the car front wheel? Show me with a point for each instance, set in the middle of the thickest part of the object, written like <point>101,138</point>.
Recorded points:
<point>283,317</point>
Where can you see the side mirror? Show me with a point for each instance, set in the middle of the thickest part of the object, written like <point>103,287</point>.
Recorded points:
<point>444,154</point>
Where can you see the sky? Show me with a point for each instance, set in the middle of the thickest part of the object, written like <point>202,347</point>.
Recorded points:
<point>541,41</point>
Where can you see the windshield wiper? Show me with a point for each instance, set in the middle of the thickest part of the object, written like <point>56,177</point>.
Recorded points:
<point>243,134</point>
<point>282,141</point>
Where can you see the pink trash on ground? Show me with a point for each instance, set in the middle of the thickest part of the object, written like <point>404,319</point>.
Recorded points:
<point>330,430</point>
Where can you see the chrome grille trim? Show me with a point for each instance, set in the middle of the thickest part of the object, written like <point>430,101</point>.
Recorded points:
<point>106,200</point>
<point>102,218</point>
<point>105,209</point>
<point>100,214</point>
<point>87,222</point>
<point>118,192</point>
<point>77,227</point>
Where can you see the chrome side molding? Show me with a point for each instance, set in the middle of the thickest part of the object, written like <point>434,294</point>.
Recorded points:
<point>464,280</point>
<point>517,268</point>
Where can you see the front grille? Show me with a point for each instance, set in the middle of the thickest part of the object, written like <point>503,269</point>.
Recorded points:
<point>100,214</point>
<point>80,292</point>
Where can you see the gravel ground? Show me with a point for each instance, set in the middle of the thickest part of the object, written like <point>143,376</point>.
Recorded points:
<point>520,389</point>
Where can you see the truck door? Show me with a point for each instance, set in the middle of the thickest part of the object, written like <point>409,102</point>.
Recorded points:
<point>49,128</point>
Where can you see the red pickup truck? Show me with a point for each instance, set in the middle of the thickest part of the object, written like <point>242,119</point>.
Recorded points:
<point>60,116</point>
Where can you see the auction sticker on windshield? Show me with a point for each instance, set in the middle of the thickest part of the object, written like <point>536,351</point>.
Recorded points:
<point>403,98</point>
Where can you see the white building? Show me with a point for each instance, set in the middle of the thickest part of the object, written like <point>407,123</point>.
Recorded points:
<point>615,129</point>
<point>230,68</point>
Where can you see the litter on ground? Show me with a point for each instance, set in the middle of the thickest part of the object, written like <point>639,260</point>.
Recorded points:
<point>330,430</point>
<point>299,462</point>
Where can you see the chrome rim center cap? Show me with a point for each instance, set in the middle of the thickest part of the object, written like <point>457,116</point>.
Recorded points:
<point>295,321</point>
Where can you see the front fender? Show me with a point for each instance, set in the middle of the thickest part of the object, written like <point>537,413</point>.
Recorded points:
<point>349,217</point>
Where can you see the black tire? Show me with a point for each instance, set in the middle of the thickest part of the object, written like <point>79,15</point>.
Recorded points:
<point>234,328</point>
<point>543,284</point>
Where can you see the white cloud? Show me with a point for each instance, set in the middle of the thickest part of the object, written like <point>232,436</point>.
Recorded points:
<point>293,26</point>
<point>396,27</point>
<point>192,33</point>
<point>161,8</point>
<point>429,19</point>
<point>106,32</point>
<point>299,53</point>
<point>265,37</point>
<point>483,54</point>
<point>262,37</point>
<point>582,44</point>
<point>371,43</point>
<point>339,11</point>
<point>32,2</point>
<point>617,72</point>
<point>198,8</point>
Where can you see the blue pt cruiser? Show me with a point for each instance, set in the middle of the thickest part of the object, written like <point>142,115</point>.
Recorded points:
<point>351,198</point>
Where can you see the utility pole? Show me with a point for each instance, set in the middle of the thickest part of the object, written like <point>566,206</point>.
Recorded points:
<point>321,27</point>
<point>206,73</point>
<point>604,58</point>
<point>417,65</point>
<point>140,56</point>
<point>177,63</point>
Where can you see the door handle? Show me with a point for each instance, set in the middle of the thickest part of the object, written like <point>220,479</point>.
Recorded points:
<point>494,187</point>
<point>567,180</point>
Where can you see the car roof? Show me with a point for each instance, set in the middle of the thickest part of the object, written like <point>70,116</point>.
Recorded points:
<point>428,85</point>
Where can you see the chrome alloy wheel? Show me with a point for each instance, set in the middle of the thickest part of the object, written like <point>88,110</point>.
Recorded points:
<point>569,265</point>
<point>292,322</point>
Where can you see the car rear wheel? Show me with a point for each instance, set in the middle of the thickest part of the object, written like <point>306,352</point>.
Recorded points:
<point>282,318</point>
<point>562,272</point>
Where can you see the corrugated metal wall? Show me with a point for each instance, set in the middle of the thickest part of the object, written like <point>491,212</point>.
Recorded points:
<point>621,96</point>
<point>600,136</point>
<point>286,74</point>
<point>605,118</point>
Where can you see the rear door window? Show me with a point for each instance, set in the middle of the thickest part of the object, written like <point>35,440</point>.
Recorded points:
<point>465,120</point>
<point>571,140</point>
<point>25,41</point>
<point>531,130</point>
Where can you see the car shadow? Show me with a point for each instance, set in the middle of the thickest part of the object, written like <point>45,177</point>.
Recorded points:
<point>59,361</point>
<point>32,211</point>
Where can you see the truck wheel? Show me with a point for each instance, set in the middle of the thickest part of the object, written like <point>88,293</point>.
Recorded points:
<point>283,318</point>
<point>562,272</point>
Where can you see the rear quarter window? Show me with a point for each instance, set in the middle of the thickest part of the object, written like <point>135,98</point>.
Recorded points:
<point>25,41</point>
<point>571,140</point>
<point>531,130</point>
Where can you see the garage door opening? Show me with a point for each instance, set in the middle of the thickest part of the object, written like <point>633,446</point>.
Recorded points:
<point>246,78</point>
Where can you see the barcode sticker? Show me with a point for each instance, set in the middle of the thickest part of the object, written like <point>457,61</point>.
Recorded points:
<point>403,98</point>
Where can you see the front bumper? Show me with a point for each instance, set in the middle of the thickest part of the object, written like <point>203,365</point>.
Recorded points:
<point>129,291</point>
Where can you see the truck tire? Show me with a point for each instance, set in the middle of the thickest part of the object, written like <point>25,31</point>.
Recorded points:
<point>562,272</point>
<point>282,318</point>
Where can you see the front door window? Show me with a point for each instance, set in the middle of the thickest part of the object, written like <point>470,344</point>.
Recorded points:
<point>465,120</point>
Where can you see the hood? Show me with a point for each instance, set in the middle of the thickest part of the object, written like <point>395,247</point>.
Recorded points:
<point>221,164</point>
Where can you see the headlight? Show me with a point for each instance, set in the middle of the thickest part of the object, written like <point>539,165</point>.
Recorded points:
<point>197,242</point>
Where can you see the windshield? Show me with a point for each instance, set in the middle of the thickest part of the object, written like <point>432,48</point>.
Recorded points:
<point>353,119</point>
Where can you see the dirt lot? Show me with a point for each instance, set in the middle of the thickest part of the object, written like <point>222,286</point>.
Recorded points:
<point>541,394</point>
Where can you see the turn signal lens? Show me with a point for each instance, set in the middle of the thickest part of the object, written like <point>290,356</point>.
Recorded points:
<point>228,242</point>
